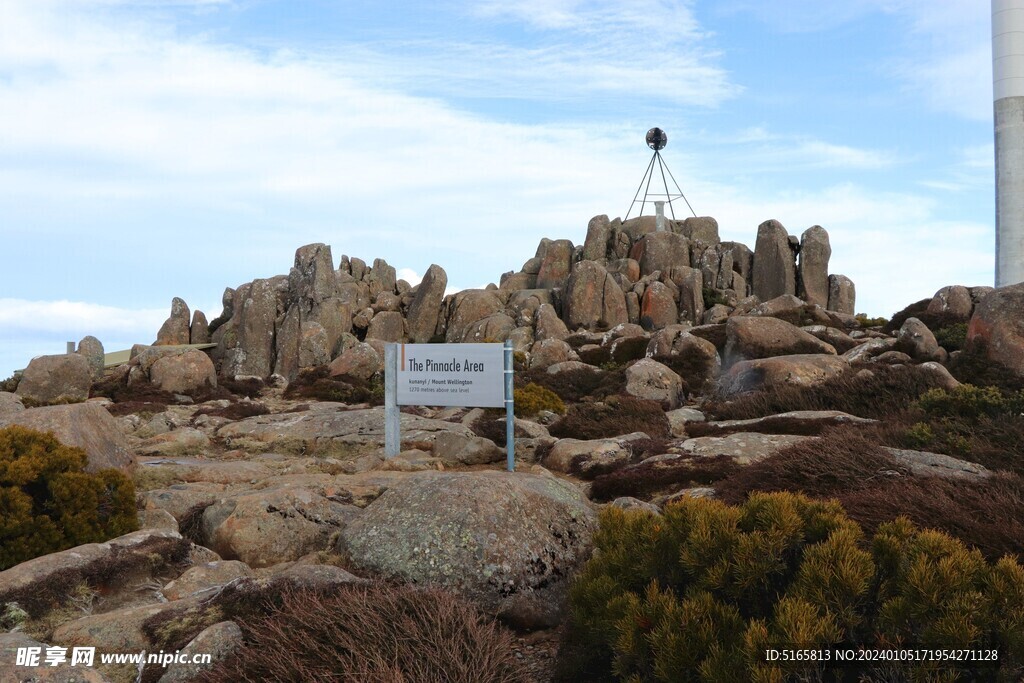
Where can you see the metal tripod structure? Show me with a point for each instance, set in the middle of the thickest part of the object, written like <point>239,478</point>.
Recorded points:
<point>656,140</point>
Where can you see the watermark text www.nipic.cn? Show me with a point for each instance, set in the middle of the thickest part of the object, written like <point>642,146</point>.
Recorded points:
<point>86,656</point>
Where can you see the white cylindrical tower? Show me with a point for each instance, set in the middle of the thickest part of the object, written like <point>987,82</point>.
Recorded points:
<point>1008,95</point>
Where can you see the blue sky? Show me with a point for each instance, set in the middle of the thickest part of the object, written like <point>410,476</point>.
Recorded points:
<point>154,149</point>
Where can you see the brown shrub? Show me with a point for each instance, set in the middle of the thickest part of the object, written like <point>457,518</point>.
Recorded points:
<point>848,463</point>
<point>770,425</point>
<point>629,349</point>
<point>235,411</point>
<point>136,408</point>
<point>596,356</point>
<point>373,634</point>
<point>572,386</point>
<point>491,425</point>
<point>886,390</point>
<point>316,383</point>
<point>644,480</point>
<point>987,514</point>
<point>919,310</point>
<point>843,459</point>
<point>972,367</point>
<point>250,387</point>
<point>639,450</point>
<point>616,416</point>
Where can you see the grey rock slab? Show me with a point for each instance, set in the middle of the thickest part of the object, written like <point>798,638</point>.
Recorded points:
<point>744,447</point>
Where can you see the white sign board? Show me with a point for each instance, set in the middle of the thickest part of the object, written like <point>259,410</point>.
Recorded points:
<point>451,375</point>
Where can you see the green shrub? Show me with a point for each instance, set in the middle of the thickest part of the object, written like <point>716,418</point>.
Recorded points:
<point>713,296</point>
<point>616,416</point>
<point>970,402</point>
<point>865,321</point>
<point>699,592</point>
<point>534,398</point>
<point>10,384</point>
<point>952,337</point>
<point>49,503</point>
<point>372,633</point>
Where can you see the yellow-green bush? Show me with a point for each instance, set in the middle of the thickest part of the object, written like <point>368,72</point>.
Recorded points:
<point>699,592</point>
<point>971,402</point>
<point>48,502</point>
<point>534,398</point>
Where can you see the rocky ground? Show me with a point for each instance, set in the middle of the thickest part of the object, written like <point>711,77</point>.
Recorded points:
<point>264,484</point>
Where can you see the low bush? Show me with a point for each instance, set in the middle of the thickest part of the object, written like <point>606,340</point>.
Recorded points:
<point>572,386</point>
<point>972,366</point>
<point>616,416</point>
<point>849,464</point>
<point>48,502</point>
<point>373,633</point>
<point>919,310</point>
<point>864,321</point>
<point>646,479</point>
<point>534,398</point>
<point>843,459</point>
<point>317,383</point>
<point>701,591</point>
<point>878,394</point>
<point>952,337</point>
<point>235,411</point>
<point>250,387</point>
<point>979,424</point>
<point>10,384</point>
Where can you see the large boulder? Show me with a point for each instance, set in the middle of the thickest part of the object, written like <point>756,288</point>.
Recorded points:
<point>801,370</point>
<point>183,373</point>
<point>56,379</point>
<point>661,251</point>
<point>647,378</point>
<point>815,251</point>
<point>426,305</point>
<point>469,307</point>
<point>92,349</point>
<point>997,327</point>
<point>749,337</point>
<point>555,264</point>
<point>361,361</point>
<point>549,325</point>
<point>774,269</point>
<point>842,295</point>
<point>387,326</point>
<point>699,356</point>
<point>917,341</point>
<point>86,425</point>
<point>139,552</point>
<point>177,328</point>
<point>256,312</point>
<point>953,301</point>
<point>593,299</point>
<point>10,403</point>
<point>690,282</point>
<point>595,247</point>
<point>199,330</point>
<point>508,541</point>
<point>218,641</point>
<point>658,307</point>
<point>266,527</point>
<point>743,447</point>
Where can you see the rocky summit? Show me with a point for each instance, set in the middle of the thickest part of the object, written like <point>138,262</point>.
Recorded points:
<point>660,376</point>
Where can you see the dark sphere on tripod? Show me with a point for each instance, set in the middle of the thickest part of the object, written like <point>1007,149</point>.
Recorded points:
<point>657,139</point>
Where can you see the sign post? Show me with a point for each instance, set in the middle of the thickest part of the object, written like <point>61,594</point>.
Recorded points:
<point>477,375</point>
<point>510,417</point>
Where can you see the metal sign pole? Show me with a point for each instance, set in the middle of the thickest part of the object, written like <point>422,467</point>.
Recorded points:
<point>392,417</point>
<point>510,418</point>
